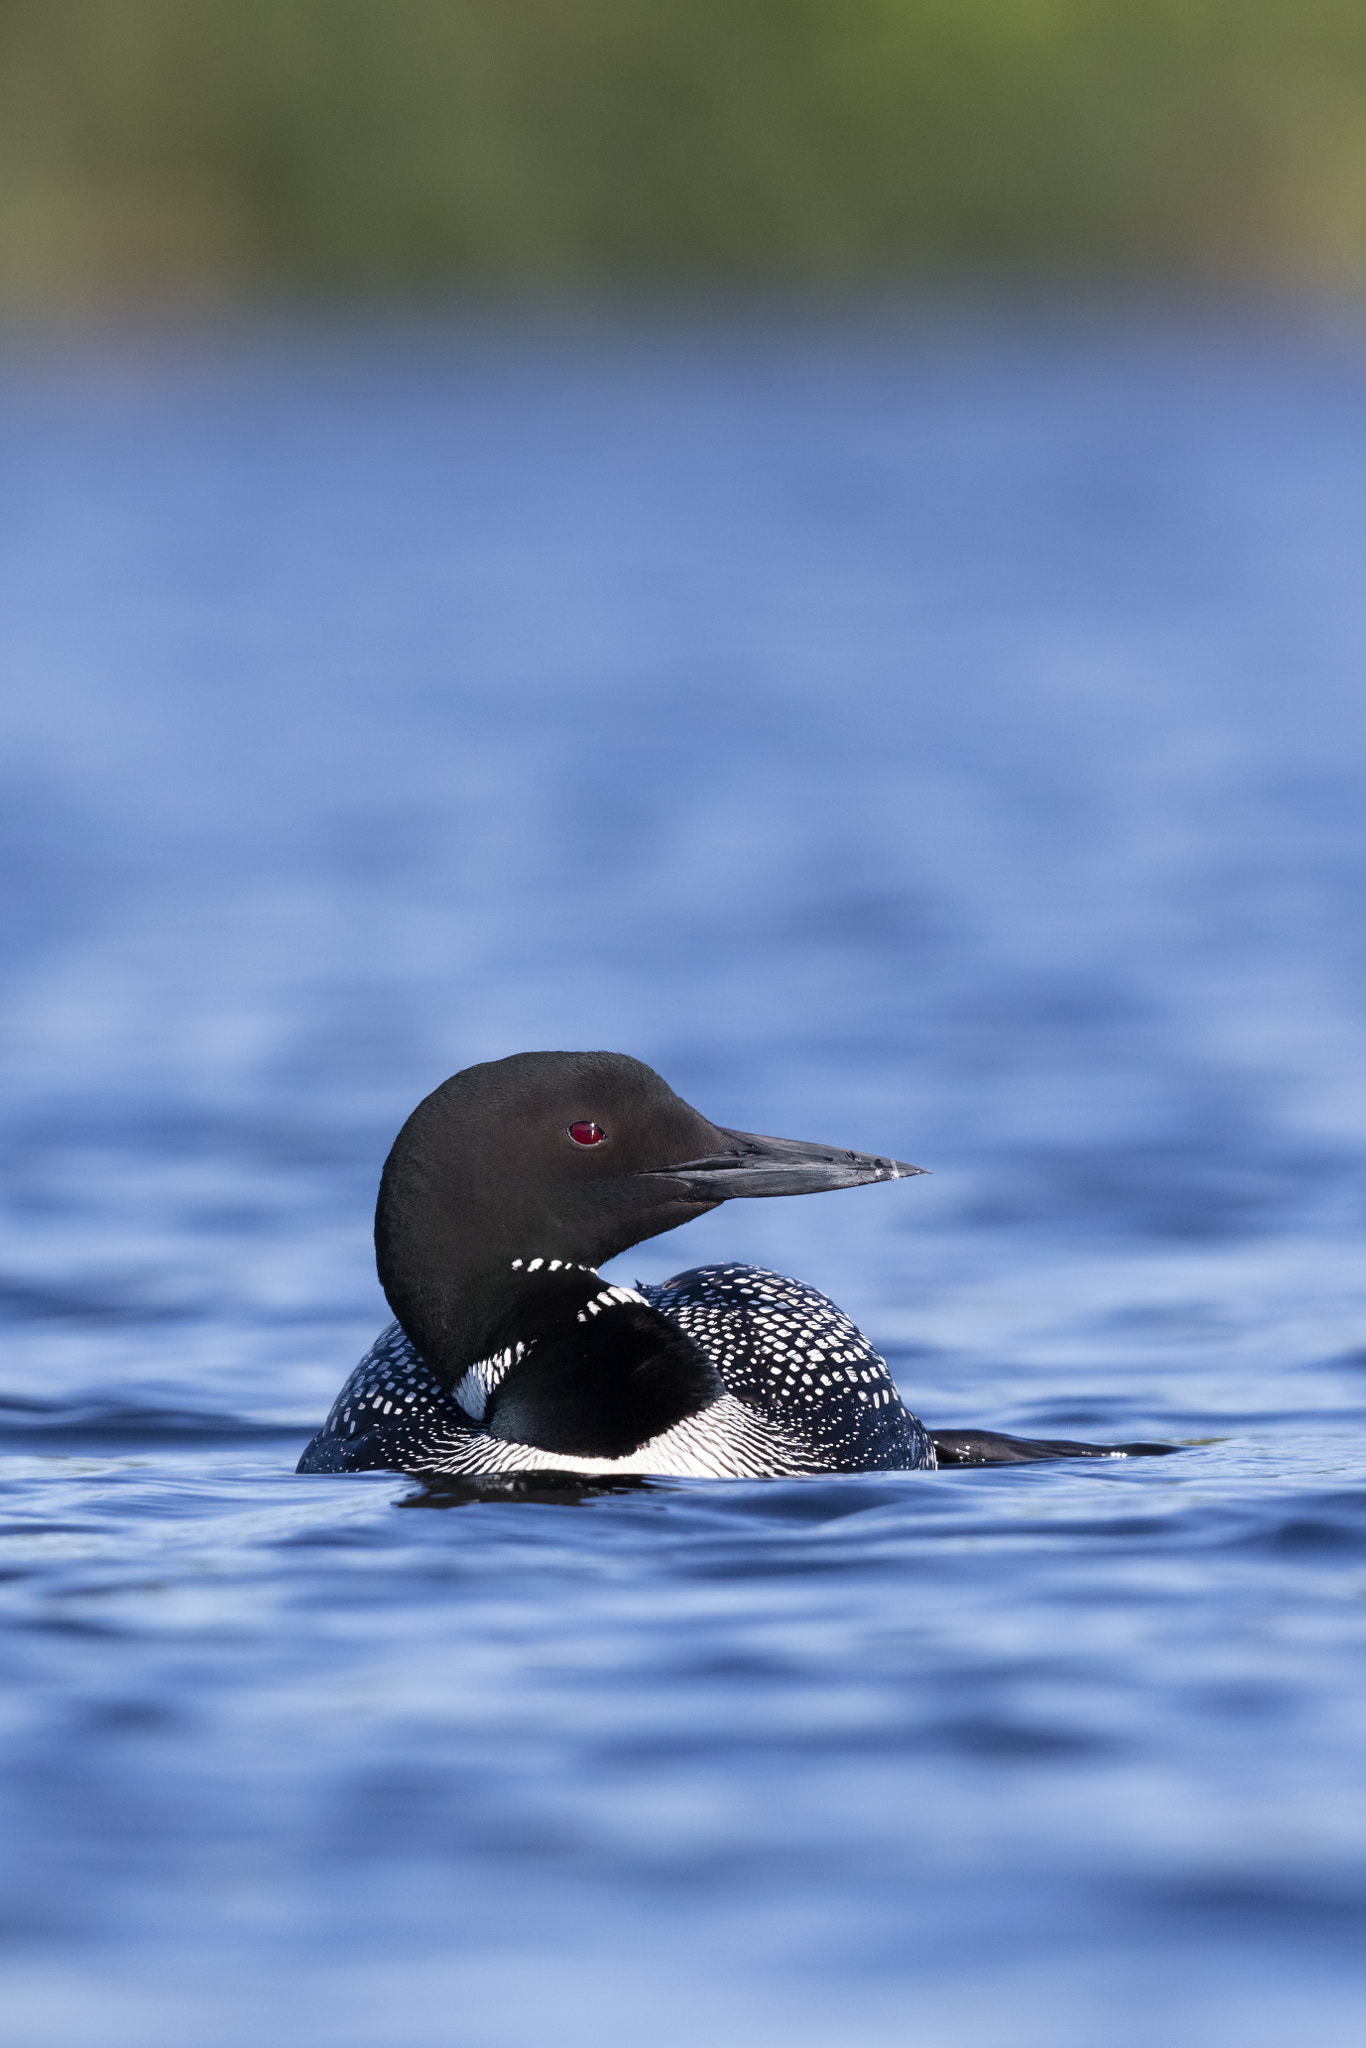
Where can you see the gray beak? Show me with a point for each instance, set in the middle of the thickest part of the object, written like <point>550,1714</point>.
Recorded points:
<point>779,1166</point>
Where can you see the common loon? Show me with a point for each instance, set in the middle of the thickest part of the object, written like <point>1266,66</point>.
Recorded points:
<point>504,1191</point>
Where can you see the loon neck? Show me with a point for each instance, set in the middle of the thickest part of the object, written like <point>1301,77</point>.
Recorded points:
<point>502,1299</point>
<point>479,1311</point>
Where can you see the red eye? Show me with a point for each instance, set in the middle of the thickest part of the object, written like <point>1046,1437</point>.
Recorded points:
<point>587,1134</point>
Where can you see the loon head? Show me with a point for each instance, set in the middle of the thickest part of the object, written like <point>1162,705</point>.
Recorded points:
<point>515,1176</point>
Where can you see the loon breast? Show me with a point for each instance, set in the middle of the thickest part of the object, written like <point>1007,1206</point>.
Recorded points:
<point>803,1392</point>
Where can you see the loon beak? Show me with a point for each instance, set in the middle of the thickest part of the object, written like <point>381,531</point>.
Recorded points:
<point>780,1166</point>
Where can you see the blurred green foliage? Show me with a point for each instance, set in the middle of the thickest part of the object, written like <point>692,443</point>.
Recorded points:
<point>173,144</point>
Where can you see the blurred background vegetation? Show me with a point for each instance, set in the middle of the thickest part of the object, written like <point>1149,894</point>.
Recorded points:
<point>190,146</point>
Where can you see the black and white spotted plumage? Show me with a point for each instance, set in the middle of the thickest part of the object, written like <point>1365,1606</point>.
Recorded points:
<point>804,1392</point>
<point>787,1353</point>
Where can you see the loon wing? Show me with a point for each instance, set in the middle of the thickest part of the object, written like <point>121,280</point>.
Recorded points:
<point>388,1414</point>
<point>799,1363</point>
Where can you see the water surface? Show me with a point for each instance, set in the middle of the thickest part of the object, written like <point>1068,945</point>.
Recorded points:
<point>939,736</point>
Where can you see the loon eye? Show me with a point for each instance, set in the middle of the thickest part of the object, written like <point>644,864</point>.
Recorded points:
<point>587,1134</point>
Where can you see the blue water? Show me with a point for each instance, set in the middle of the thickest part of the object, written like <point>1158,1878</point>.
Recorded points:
<point>944,736</point>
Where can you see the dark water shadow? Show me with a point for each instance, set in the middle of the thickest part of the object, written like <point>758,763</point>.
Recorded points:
<point>556,1489</point>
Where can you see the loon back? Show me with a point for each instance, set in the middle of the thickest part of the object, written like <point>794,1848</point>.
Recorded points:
<point>801,1390</point>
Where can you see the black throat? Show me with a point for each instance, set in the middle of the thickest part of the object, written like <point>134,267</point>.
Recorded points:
<point>594,1371</point>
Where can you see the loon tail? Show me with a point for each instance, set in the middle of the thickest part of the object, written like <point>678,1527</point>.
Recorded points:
<point>990,1447</point>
